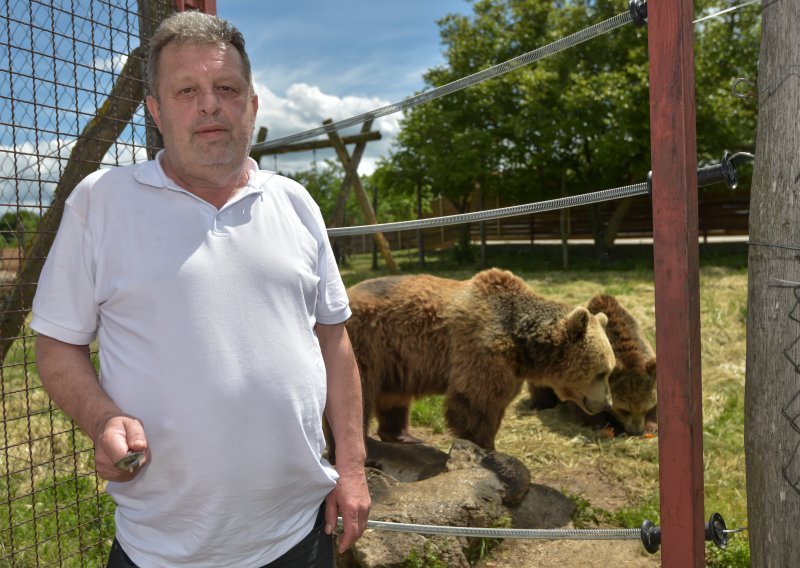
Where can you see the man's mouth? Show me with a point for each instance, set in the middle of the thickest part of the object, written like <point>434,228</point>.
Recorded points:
<point>209,130</point>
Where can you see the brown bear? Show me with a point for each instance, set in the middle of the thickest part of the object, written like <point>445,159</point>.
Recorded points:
<point>475,341</point>
<point>633,380</point>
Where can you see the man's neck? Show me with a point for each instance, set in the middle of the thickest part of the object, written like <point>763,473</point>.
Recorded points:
<point>216,185</point>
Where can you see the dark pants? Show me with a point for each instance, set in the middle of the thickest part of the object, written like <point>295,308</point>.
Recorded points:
<point>314,551</point>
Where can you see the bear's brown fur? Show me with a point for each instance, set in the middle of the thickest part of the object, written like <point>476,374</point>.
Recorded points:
<point>633,380</point>
<point>476,342</point>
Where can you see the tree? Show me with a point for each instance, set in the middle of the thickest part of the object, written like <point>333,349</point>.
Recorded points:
<point>579,118</point>
<point>772,389</point>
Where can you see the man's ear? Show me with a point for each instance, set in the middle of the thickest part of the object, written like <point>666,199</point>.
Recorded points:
<point>254,102</point>
<point>154,109</point>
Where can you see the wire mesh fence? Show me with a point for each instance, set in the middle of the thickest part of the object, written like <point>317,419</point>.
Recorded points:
<point>73,84</point>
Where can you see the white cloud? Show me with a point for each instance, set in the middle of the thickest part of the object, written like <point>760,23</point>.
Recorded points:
<point>305,107</point>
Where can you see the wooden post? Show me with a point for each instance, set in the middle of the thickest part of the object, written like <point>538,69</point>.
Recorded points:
<point>677,290</point>
<point>350,164</point>
<point>207,6</point>
<point>351,173</point>
<point>772,387</point>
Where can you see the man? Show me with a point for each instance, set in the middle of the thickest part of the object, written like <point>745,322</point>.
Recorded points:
<point>219,311</point>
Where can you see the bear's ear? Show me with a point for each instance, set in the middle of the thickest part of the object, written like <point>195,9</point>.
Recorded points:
<point>602,318</point>
<point>575,323</point>
<point>650,367</point>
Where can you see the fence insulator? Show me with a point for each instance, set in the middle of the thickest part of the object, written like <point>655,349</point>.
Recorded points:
<point>638,9</point>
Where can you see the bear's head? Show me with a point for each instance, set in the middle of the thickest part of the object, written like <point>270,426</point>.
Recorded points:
<point>633,395</point>
<point>581,360</point>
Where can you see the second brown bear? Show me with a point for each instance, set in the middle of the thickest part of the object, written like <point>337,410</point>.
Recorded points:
<point>633,380</point>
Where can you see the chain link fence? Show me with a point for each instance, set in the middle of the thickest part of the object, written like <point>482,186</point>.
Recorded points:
<point>73,83</point>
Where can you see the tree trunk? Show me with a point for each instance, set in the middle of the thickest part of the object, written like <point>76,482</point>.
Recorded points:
<point>482,226</point>
<point>772,389</point>
<point>615,222</point>
<point>598,232</point>
<point>563,225</point>
<point>420,234</point>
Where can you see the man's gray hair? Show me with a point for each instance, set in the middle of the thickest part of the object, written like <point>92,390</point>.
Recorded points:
<point>193,28</point>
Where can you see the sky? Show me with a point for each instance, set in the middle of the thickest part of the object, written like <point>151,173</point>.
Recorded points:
<point>318,59</point>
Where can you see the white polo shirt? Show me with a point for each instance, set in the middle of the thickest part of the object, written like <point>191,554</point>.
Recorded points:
<point>205,320</point>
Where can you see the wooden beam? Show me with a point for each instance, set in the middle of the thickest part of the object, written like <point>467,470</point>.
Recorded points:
<point>677,290</point>
<point>351,173</point>
<point>315,144</point>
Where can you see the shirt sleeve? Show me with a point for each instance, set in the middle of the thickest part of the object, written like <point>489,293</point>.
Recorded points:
<point>333,306</point>
<point>64,307</point>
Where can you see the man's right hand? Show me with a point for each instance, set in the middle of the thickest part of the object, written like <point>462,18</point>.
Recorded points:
<point>70,379</point>
<point>116,437</point>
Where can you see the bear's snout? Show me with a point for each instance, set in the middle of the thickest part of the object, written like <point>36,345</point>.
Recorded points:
<point>592,407</point>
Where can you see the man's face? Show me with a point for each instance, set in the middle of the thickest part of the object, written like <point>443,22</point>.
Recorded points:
<point>205,109</point>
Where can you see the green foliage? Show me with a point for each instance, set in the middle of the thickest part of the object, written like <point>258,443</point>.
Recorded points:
<point>429,412</point>
<point>632,518</point>
<point>735,555</point>
<point>586,515</point>
<point>428,558</point>
<point>397,194</point>
<point>479,548</point>
<point>16,226</point>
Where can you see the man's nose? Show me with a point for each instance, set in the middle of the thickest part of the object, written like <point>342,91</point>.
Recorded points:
<point>208,102</point>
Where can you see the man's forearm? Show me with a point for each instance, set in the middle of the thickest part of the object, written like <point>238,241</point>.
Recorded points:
<point>344,405</point>
<point>70,379</point>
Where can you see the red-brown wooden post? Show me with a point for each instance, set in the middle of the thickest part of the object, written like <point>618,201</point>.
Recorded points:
<point>207,6</point>
<point>677,290</point>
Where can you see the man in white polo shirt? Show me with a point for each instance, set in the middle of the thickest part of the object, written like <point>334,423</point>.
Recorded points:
<point>220,312</point>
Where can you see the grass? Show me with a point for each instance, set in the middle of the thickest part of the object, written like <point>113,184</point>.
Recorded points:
<point>554,448</point>
<point>53,509</point>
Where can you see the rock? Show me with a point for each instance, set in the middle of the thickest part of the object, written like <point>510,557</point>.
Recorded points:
<point>464,498</point>
<point>467,487</point>
<point>467,498</point>
<point>543,508</point>
<point>405,462</point>
<point>511,472</point>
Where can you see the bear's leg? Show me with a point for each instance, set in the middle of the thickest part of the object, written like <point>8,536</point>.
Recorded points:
<point>392,412</point>
<point>472,421</point>
<point>542,397</point>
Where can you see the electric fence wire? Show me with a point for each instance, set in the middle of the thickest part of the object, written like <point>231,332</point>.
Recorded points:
<point>426,96</point>
<point>533,534</point>
<point>489,214</point>
<point>726,10</point>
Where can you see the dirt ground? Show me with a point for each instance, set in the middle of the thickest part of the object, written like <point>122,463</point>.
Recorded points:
<point>570,554</point>
<point>603,492</point>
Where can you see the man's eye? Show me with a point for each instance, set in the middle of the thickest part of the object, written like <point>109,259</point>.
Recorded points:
<point>227,89</point>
